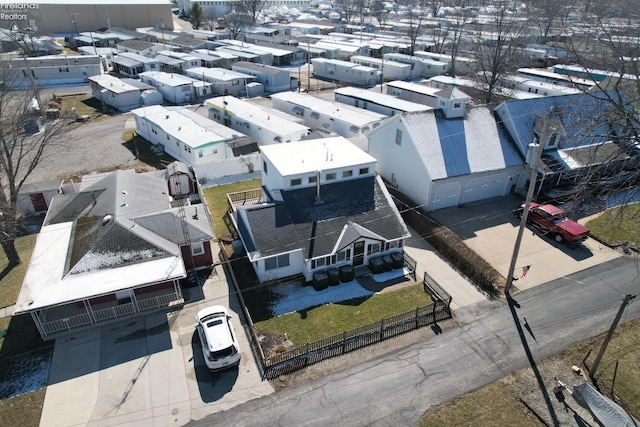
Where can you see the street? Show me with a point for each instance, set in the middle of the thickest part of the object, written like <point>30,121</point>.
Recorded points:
<point>398,388</point>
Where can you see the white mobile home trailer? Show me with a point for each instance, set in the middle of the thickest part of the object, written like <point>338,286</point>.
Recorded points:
<point>52,70</point>
<point>114,92</point>
<point>224,82</point>
<point>330,116</point>
<point>378,102</point>
<point>342,71</point>
<point>272,78</point>
<point>389,69</point>
<point>263,126</point>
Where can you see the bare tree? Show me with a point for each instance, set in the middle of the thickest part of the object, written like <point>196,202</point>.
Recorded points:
<point>415,19</point>
<point>495,50</point>
<point>212,18</point>
<point>348,9</point>
<point>436,6</point>
<point>456,29</point>
<point>20,151</point>
<point>236,22</point>
<point>251,8</point>
<point>380,13</point>
<point>548,15</point>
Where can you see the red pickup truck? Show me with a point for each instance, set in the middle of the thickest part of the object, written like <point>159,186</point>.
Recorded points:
<point>552,220</point>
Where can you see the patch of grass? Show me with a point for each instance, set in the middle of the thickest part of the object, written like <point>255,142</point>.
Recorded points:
<point>11,280</point>
<point>24,410</point>
<point>85,104</point>
<point>141,149</point>
<point>497,404</point>
<point>216,198</point>
<point>488,406</point>
<point>315,323</point>
<point>618,225</point>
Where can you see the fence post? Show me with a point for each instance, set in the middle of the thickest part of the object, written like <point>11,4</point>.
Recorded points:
<point>306,353</point>
<point>344,339</point>
<point>433,313</point>
<point>417,308</point>
<point>381,328</point>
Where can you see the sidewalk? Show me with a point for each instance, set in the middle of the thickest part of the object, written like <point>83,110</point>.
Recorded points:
<point>7,311</point>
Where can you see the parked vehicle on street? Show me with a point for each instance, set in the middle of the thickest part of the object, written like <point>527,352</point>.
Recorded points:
<point>552,220</point>
<point>217,337</point>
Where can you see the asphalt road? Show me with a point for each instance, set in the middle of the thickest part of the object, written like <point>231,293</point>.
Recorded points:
<point>398,388</point>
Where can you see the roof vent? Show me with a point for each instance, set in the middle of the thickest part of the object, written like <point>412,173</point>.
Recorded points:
<point>106,220</point>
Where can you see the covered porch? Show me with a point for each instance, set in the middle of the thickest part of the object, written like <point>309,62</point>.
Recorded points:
<point>57,320</point>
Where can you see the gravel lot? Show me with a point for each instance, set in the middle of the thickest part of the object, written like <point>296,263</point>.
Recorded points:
<point>89,148</point>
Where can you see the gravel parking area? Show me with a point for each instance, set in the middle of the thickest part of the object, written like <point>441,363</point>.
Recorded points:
<point>88,148</point>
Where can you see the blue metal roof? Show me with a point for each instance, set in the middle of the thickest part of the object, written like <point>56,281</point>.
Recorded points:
<point>583,116</point>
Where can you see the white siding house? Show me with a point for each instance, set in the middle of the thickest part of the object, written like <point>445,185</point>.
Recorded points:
<point>265,127</point>
<point>332,211</point>
<point>441,162</point>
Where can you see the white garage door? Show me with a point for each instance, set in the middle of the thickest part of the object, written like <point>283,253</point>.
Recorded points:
<point>485,187</point>
<point>446,195</point>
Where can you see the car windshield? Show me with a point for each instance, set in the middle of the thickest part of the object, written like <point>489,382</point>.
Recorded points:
<point>559,220</point>
<point>210,317</point>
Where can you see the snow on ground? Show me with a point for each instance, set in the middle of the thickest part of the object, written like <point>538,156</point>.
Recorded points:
<point>294,297</point>
<point>26,373</point>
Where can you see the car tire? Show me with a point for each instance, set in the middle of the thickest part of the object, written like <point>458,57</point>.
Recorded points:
<point>558,238</point>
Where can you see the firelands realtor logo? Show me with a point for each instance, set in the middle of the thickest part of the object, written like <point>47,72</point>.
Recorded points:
<point>16,11</point>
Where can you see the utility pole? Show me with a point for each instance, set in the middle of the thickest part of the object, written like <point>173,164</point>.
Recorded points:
<point>535,151</point>
<point>308,69</point>
<point>594,368</point>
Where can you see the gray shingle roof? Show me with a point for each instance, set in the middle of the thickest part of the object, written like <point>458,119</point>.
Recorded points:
<point>363,205</point>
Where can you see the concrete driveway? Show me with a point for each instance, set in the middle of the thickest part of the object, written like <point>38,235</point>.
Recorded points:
<point>428,259</point>
<point>149,370</point>
<point>489,228</point>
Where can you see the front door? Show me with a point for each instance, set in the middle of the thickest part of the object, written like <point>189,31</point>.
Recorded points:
<point>358,253</point>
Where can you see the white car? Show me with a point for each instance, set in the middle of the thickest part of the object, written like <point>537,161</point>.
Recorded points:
<point>218,340</point>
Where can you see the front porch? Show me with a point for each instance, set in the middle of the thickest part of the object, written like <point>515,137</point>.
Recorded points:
<point>58,320</point>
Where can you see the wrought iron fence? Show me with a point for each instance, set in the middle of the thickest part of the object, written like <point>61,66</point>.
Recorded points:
<point>362,336</point>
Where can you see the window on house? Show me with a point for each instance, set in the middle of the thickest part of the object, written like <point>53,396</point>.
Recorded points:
<point>264,167</point>
<point>296,181</point>
<point>330,176</point>
<point>373,248</point>
<point>312,179</point>
<point>457,105</point>
<point>197,248</point>
<point>315,115</point>
<point>347,174</point>
<point>364,171</point>
<point>276,262</point>
<point>200,153</point>
<point>442,103</point>
<point>354,129</point>
<point>398,137</point>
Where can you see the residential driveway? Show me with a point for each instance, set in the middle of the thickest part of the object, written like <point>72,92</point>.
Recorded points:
<point>428,259</point>
<point>149,370</point>
<point>489,228</point>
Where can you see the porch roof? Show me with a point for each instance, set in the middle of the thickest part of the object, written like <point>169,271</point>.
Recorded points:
<point>45,283</point>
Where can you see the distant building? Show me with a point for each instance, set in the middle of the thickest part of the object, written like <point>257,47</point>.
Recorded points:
<point>72,17</point>
<point>53,70</point>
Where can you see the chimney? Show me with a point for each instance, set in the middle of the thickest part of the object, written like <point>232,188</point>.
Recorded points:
<point>318,198</point>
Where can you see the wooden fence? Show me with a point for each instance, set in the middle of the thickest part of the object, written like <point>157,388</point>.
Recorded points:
<point>362,336</point>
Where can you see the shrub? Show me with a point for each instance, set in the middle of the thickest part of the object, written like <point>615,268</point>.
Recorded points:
<point>376,265</point>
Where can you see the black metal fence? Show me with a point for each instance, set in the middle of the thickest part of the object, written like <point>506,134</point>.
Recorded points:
<point>362,336</point>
